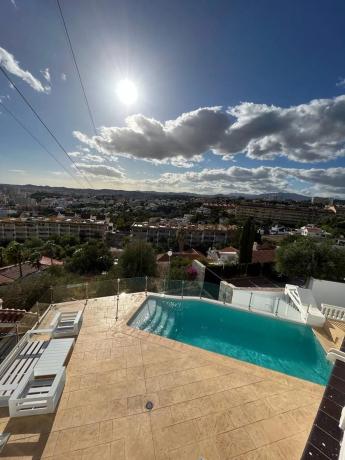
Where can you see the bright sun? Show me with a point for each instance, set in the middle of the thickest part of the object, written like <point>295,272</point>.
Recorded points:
<point>127,92</point>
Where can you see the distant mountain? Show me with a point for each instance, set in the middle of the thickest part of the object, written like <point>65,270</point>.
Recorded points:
<point>280,196</point>
<point>287,196</point>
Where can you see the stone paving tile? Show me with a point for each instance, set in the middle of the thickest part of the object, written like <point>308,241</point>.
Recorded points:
<point>204,405</point>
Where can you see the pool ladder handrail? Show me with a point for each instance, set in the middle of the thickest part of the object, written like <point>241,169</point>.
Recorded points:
<point>334,354</point>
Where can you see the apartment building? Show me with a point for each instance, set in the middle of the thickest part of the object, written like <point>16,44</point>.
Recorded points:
<point>193,234</point>
<point>44,228</point>
<point>284,214</point>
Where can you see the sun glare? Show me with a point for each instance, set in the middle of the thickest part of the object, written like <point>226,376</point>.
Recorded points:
<point>127,92</point>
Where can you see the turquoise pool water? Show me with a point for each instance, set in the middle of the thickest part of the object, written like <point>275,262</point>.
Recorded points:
<point>268,342</point>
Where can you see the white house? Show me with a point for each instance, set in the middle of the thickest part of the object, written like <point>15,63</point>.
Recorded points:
<point>310,230</point>
<point>226,255</point>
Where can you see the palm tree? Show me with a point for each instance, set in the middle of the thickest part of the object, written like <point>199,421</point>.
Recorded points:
<point>180,237</point>
<point>35,259</point>
<point>50,250</point>
<point>15,253</point>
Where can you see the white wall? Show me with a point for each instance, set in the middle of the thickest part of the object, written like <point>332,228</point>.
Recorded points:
<point>200,268</point>
<point>260,301</point>
<point>329,292</point>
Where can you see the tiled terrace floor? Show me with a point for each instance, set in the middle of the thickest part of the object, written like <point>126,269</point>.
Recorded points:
<point>205,405</point>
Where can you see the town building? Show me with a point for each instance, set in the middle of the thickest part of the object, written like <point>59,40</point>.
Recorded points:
<point>283,213</point>
<point>21,229</point>
<point>311,230</point>
<point>194,235</point>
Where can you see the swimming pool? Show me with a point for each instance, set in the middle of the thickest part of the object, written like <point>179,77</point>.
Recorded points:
<point>280,345</point>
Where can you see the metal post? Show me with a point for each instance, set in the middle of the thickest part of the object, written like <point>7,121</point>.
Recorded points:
<point>201,288</point>
<point>38,311</point>
<point>224,297</point>
<point>86,290</point>
<point>51,294</point>
<point>17,333</point>
<point>145,286</point>
<point>117,299</point>
<point>277,307</point>
<point>182,285</point>
<point>117,308</point>
<point>251,295</point>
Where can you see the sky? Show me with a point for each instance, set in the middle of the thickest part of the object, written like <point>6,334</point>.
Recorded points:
<point>244,96</point>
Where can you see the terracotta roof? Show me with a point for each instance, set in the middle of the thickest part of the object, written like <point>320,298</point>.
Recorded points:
<point>48,261</point>
<point>228,249</point>
<point>8,315</point>
<point>13,272</point>
<point>188,254</point>
<point>313,230</point>
<point>5,280</point>
<point>263,256</point>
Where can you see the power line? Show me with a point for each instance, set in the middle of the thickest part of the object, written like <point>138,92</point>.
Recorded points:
<point>43,123</point>
<point>78,73</point>
<point>21,124</point>
<point>77,69</point>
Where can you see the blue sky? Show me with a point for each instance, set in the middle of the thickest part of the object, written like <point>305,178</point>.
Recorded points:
<point>233,96</point>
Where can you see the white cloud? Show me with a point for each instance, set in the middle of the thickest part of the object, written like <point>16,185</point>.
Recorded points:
<point>58,173</point>
<point>309,132</point>
<point>333,179</point>
<point>14,4</point>
<point>74,154</point>
<point>12,66</point>
<point>330,182</point>
<point>183,139</point>
<point>63,77</point>
<point>340,82</point>
<point>83,156</point>
<point>46,74</point>
<point>100,171</point>
<point>17,171</point>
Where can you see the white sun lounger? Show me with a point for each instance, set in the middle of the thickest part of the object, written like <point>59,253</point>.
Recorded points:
<point>67,324</point>
<point>40,392</point>
<point>37,395</point>
<point>18,366</point>
<point>54,357</point>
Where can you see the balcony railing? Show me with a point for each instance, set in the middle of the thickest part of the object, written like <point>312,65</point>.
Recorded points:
<point>333,312</point>
<point>255,302</point>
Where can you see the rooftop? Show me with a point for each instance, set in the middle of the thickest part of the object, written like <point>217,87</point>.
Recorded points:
<point>52,219</point>
<point>186,254</point>
<point>204,404</point>
<point>166,225</point>
<point>11,273</point>
<point>10,315</point>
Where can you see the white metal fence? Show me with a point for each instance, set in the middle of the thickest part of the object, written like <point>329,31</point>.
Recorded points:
<point>333,312</point>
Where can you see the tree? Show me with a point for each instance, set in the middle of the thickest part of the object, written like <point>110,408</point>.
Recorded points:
<point>92,257</point>
<point>182,269</point>
<point>33,243</point>
<point>180,238</point>
<point>2,256</point>
<point>35,259</point>
<point>306,257</point>
<point>15,253</point>
<point>246,242</point>
<point>138,259</point>
<point>50,250</point>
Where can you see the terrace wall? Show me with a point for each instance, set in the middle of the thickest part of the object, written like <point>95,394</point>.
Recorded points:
<point>328,292</point>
